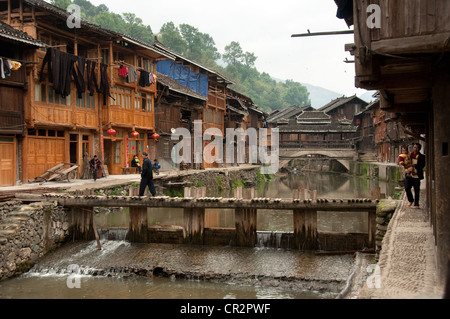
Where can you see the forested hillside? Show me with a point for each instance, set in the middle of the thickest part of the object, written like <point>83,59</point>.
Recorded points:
<point>193,44</point>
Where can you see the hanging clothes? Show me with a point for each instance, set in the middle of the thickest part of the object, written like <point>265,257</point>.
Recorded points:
<point>144,80</point>
<point>60,70</point>
<point>15,65</point>
<point>92,85</point>
<point>132,76</point>
<point>123,71</point>
<point>152,78</point>
<point>104,82</point>
<point>78,75</point>
<point>2,69</point>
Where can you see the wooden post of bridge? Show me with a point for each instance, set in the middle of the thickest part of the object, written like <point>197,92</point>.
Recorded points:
<point>82,221</point>
<point>138,229</point>
<point>305,224</point>
<point>245,219</point>
<point>194,218</point>
<point>372,228</point>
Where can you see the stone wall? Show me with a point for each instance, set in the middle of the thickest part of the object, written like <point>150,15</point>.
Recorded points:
<point>28,232</point>
<point>385,211</point>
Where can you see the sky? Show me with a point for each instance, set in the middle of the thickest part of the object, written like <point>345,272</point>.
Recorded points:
<point>264,28</point>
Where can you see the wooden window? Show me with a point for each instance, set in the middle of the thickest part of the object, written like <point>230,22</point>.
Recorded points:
<point>44,93</point>
<point>143,102</point>
<point>122,97</point>
<point>145,64</point>
<point>86,101</point>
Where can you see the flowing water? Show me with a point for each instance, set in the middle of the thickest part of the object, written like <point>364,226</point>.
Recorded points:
<point>122,270</point>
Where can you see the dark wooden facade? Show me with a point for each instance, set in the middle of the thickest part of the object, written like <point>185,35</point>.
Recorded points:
<point>407,59</point>
<point>19,47</point>
<point>68,128</point>
<point>210,108</point>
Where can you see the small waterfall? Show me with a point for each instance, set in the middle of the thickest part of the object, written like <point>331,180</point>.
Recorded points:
<point>274,239</point>
<point>113,233</point>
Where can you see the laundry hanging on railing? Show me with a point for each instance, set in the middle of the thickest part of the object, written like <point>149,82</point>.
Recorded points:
<point>8,65</point>
<point>147,79</point>
<point>132,75</point>
<point>123,71</point>
<point>60,70</point>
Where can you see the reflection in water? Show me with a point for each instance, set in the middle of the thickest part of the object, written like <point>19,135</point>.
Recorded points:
<point>52,283</point>
<point>327,186</point>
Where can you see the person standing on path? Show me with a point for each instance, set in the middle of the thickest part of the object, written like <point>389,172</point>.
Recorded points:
<point>413,180</point>
<point>95,164</point>
<point>147,176</point>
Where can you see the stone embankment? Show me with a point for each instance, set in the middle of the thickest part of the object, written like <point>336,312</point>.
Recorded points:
<point>27,232</point>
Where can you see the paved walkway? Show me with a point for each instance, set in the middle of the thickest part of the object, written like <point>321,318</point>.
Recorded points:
<point>407,264</point>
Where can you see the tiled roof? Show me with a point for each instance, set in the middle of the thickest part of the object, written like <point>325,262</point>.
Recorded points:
<point>94,27</point>
<point>341,101</point>
<point>331,127</point>
<point>8,32</point>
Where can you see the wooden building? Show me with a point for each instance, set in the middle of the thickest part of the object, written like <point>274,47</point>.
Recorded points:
<point>404,53</point>
<point>344,107</point>
<point>211,88</point>
<point>243,113</point>
<point>66,123</point>
<point>15,47</point>
<point>316,129</point>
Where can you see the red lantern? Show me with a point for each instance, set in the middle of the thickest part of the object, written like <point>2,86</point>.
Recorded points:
<point>155,136</point>
<point>111,132</point>
<point>135,134</point>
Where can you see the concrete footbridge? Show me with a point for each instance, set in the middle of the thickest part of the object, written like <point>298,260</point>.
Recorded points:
<point>304,205</point>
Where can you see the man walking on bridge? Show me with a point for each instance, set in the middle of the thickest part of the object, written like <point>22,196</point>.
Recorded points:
<point>147,176</point>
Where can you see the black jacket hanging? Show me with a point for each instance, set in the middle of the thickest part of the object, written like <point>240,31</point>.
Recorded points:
<point>78,76</point>
<point>92,85</point>
<point>104,82</point>
<point>144,80</point>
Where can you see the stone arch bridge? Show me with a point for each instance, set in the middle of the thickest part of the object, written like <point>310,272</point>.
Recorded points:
<point>342,155</point>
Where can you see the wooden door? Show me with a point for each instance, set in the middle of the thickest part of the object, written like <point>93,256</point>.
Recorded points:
<point>43,154</point>
<point>7,161</point>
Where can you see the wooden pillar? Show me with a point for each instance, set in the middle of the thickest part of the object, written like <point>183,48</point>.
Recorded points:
<point>83,228</point>
<point>138,229</point>
<point>194,224</point>
<point>305,229</point>
<point>194,218</point>
<point>372,227</point>
<point>245,220</point>
<point>305,222</point>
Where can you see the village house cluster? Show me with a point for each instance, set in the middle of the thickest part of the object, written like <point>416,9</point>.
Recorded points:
<point>86,91</point>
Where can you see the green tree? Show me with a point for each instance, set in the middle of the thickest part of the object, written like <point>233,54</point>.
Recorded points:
<point>170,36</point>
<point>296,94</point>
<point>233,53</point>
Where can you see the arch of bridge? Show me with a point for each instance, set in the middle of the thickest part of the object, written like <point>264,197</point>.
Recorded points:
<point>342,156</point>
